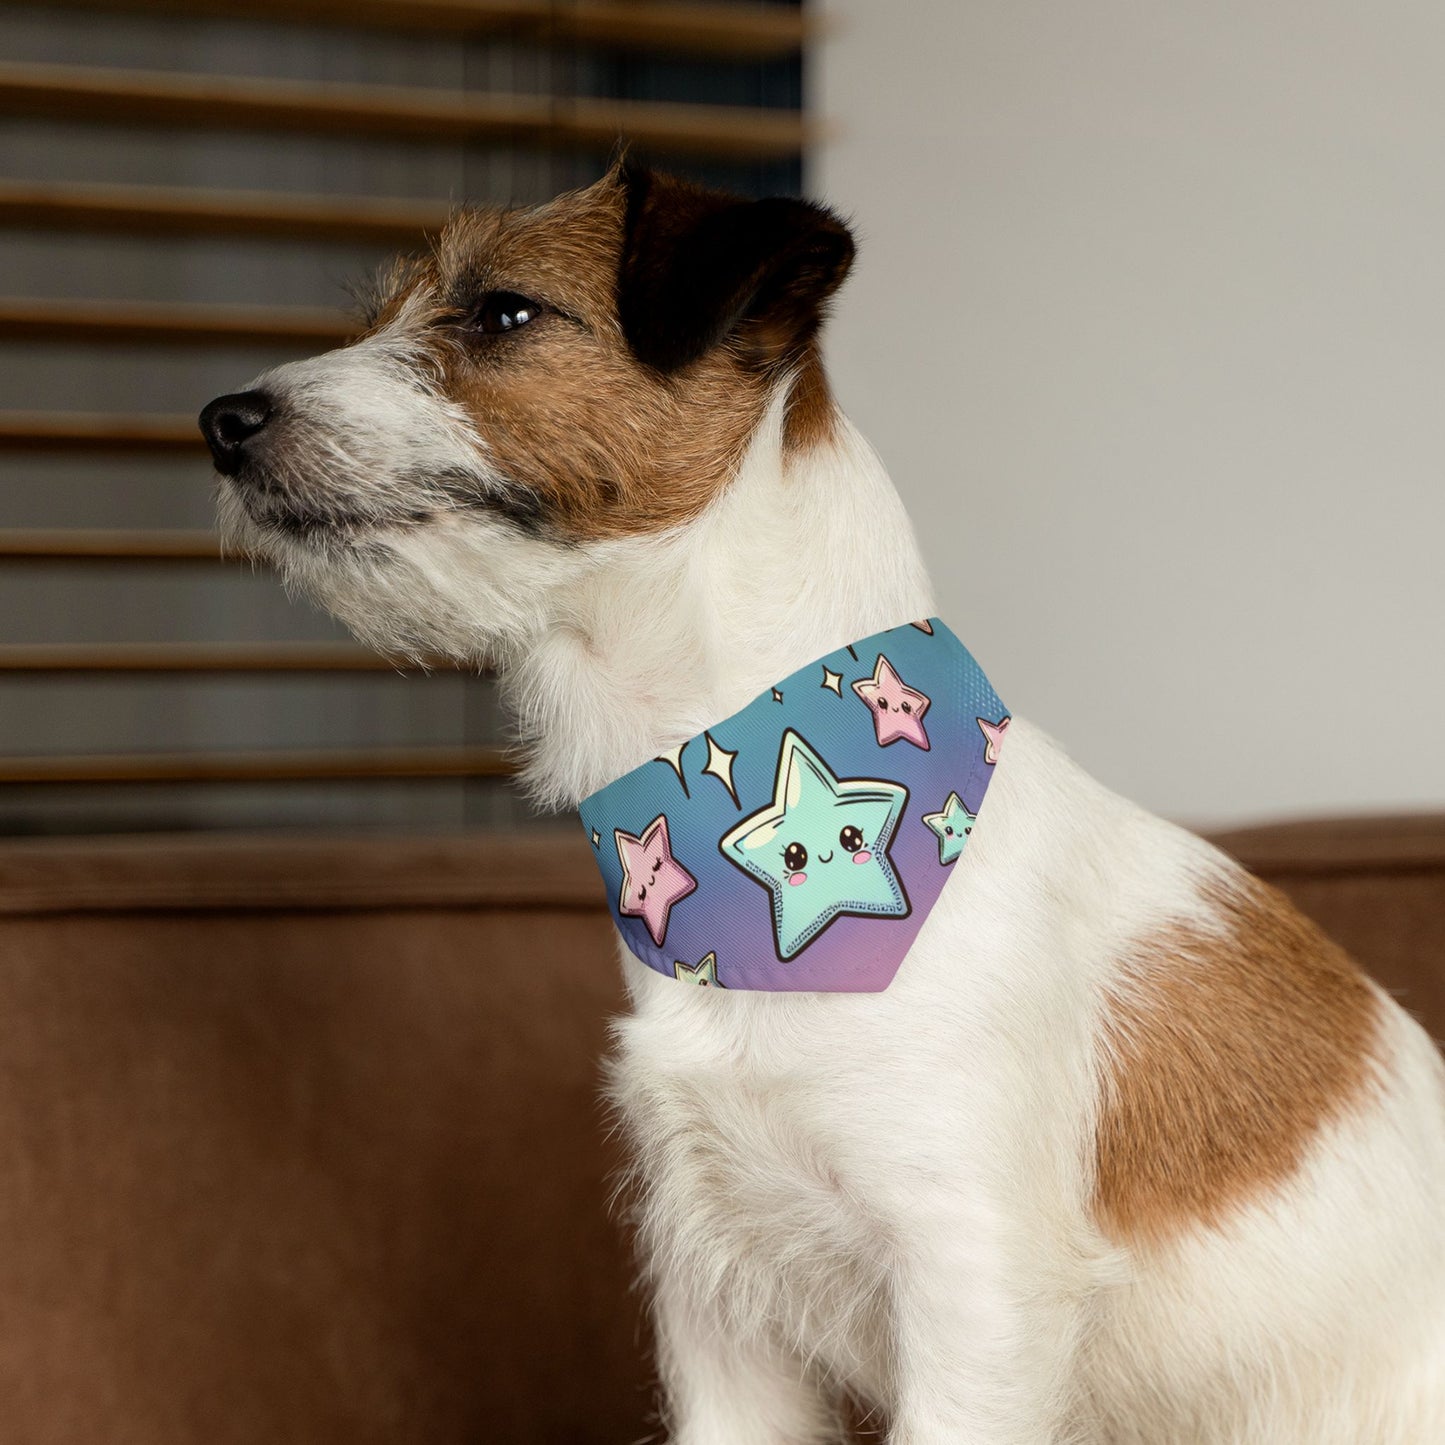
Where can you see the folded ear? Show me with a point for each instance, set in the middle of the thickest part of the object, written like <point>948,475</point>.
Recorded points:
<point>699,266</point>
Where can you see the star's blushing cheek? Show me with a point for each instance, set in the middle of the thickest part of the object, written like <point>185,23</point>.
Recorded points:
<point>794,879</point>
<point>862,856</point>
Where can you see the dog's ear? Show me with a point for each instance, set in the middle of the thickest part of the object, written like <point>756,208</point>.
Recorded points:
<point>700,266</point>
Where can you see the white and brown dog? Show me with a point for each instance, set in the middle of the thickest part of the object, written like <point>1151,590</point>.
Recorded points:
<point>1127,1152</point>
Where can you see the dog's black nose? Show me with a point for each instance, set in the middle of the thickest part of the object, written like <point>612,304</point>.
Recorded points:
<point>229,422</point>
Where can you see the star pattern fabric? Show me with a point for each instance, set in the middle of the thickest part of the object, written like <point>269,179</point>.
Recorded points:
<point>896,708</point>
<point>652,879</point>
<point>952,823</point>
<point>792,845</point>
<point>821,846</point>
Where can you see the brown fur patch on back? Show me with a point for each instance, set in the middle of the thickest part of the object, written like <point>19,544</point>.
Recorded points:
<point>1227,1052</point>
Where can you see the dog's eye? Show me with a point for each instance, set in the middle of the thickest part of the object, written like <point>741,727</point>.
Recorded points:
<point>504,311</point>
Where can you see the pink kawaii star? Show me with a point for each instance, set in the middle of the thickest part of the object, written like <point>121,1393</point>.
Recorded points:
<point>897,709</point>
<point>993,737</point>
<point>652,879</point>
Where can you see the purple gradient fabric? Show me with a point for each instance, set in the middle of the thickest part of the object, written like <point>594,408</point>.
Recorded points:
<point>800,843</point>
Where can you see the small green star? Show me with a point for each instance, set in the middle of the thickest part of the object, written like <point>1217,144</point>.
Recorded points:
<point>953,823</point>
<point>703,972</point>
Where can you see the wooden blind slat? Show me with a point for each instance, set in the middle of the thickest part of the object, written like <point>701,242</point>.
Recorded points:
<point>271,766</point>
<point>188,657</point>
<point>219,102</point>
<point>173,211</point>
<point>77,431</point>
<point>85,544</point>
<point>171,323</point>
<point>754,32</point>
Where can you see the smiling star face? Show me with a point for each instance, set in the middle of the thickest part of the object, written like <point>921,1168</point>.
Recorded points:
<point>652,879</point>
<point>897,709</point>
<point>952,824</point>
<point>820,847</point>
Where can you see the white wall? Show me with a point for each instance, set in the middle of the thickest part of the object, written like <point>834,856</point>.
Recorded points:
<point>1149,324</point>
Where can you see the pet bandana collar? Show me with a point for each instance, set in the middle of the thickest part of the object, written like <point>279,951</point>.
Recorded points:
<point>800,844</point>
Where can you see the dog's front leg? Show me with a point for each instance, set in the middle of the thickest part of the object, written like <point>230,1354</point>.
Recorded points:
<point>985,1340</point>
<point>724,1386</point>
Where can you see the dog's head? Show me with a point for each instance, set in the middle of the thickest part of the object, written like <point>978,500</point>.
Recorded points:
<point>543,384</point>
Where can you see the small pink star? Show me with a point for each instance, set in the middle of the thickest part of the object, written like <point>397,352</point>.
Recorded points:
<point>897,709</point>
<point>652,879</point>
<point>993,732</point>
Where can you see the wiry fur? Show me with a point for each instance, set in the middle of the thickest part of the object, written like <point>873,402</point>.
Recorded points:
<point>894,1195</point>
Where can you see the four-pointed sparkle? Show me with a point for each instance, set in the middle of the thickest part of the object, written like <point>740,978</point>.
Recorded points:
<point>703,972</point>
<point>993,734</point>
<point>953,823</point>
<point>673,758</point>
<point>720,766</point>
<point>652,879</point>
<point>897,709</point>
<point>833,681</point>
<point>820,847</point>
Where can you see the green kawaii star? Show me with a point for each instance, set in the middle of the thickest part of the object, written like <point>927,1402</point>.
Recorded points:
<point>703,972</point>
<point>821,847</point>
<point>952,823</point>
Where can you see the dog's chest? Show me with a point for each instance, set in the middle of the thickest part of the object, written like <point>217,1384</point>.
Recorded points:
<point>749,1182</point>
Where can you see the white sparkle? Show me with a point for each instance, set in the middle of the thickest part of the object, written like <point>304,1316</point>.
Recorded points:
<point>596,837</point>
<point>673,758</point>
<point>833,681</point>
<point>720,766</point>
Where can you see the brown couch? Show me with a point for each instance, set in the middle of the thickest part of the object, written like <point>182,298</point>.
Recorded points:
<point>302,1140</point>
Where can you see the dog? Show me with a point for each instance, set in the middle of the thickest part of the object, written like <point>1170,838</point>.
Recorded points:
<point>1126,1151</point>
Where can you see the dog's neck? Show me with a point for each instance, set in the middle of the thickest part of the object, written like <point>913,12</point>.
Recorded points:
<point>804,552</point>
